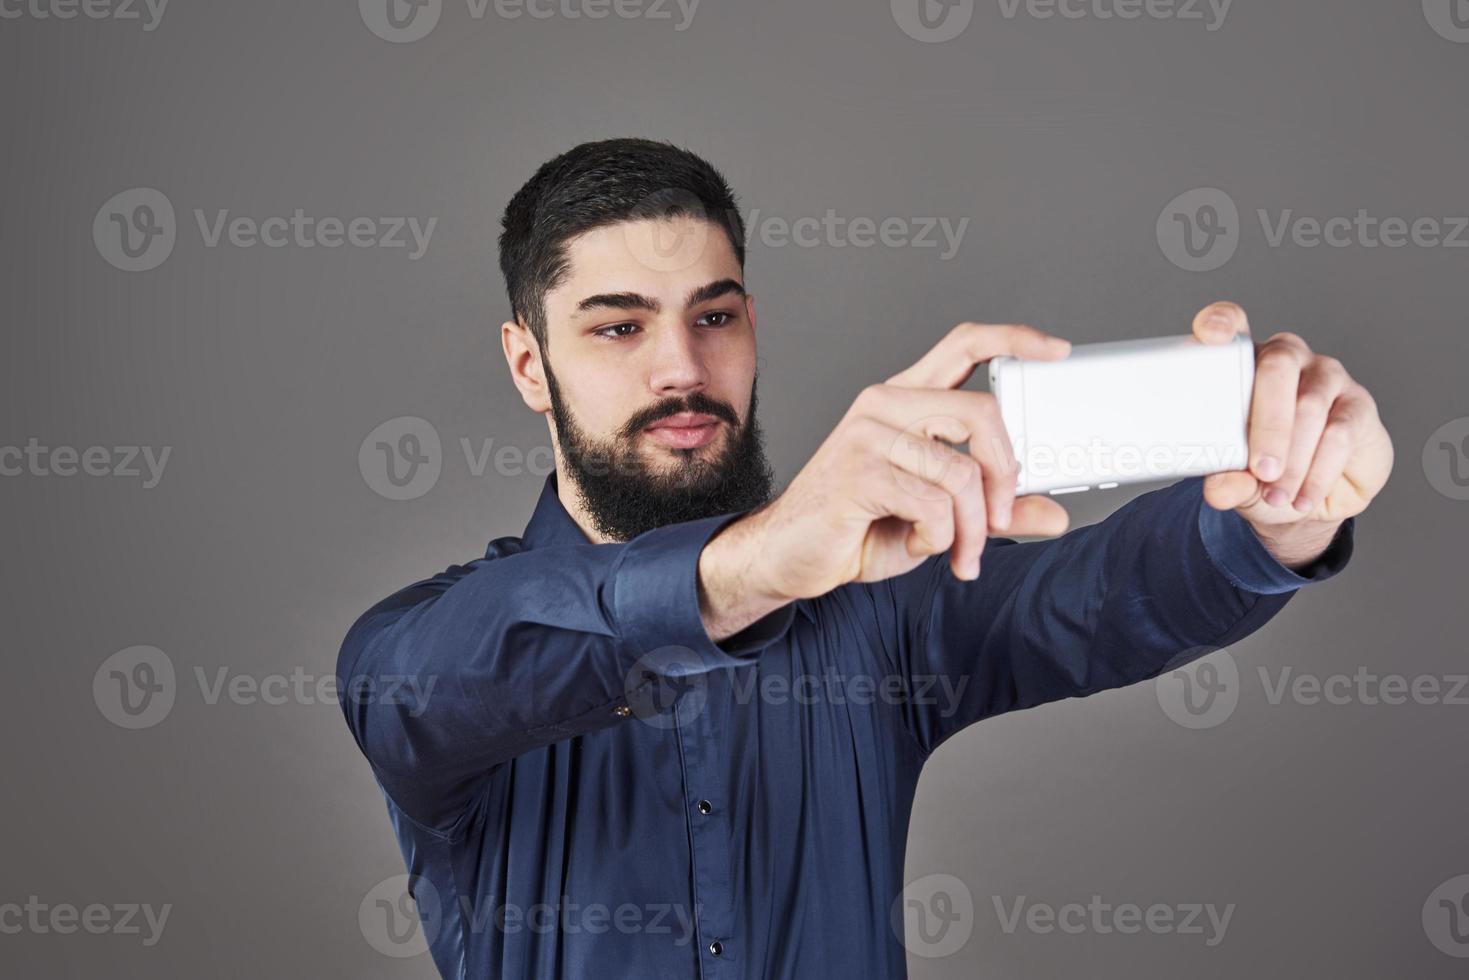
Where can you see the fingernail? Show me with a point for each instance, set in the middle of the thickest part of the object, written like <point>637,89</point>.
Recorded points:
<point>1276,497</point>
<point>1218,321</point>
<point>1303,504</point>
<point>1268,467</point>
<point>974,569</point>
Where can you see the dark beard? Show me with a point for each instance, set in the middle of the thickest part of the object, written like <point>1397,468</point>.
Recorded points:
<point>624,497</point>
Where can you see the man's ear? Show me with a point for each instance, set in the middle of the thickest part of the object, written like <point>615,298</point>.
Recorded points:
<point>750,308</point>
<point>523,355</point>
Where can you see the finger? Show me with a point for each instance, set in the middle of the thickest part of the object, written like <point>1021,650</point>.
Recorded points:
<point>1278,366</point>
<point>1231,489</point>
<point>1219,323</point>
<point>1038,515</point>
<point>956,417</point>
<point>929,468</point>
<point>992,449</point>
<point>1322,381</point>
<point>1332,451</point>
<point>951,361</point>
<point>930,519</point>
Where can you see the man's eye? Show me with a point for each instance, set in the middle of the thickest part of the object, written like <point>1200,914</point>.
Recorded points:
<point>615,330</point>
<point>721,318</point>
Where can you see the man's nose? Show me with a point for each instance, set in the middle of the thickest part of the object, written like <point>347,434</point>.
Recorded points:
<point>678,364</point>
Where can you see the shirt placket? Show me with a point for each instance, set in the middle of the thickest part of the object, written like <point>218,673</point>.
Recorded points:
<point>702,726</point>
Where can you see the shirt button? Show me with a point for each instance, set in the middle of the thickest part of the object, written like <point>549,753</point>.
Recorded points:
<point>705,807</point>
<point>716,948</point>
<point>622,711</point>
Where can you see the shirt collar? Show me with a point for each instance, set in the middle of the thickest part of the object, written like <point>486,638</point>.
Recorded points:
<point>551,524</point>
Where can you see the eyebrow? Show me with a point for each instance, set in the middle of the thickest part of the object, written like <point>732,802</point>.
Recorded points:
<point>637,301</point>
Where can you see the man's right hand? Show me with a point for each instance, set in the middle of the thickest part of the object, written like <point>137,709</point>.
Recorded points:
<point>887,489</point>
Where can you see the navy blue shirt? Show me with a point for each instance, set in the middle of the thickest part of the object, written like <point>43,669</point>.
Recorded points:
<point>593,788</point>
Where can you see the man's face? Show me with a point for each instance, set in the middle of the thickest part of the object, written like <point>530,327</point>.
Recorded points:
<point>650,368</point>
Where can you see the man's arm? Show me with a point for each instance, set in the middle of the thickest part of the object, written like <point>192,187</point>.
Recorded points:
<point>447,679</point>
<point>1162,581</point>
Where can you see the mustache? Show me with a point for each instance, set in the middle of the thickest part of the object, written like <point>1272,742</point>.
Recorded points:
<point>697,402</point>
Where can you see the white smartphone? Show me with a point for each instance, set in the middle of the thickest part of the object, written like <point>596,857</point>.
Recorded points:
<point>1126,411</point>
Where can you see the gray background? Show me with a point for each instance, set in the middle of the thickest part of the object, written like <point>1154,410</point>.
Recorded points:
<point>1062,140</point>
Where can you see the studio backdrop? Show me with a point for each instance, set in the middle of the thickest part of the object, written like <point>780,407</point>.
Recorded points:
<point>246,246</point>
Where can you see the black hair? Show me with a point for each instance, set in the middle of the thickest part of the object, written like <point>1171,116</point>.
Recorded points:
<point>597,184</point>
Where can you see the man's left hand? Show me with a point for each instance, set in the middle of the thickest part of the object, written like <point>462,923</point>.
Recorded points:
<point>1318,452</point>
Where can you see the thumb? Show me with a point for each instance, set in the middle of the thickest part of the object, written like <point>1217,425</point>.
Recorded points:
<point>1231,489</point>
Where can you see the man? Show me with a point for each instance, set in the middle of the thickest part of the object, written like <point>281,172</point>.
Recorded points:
<point>562,817</point>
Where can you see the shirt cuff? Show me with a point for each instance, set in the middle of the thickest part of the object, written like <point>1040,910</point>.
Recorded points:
<point>1239,553</point>
<point>655,599</point>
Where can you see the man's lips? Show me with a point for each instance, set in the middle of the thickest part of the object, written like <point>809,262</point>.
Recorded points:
<point>686,430</point>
